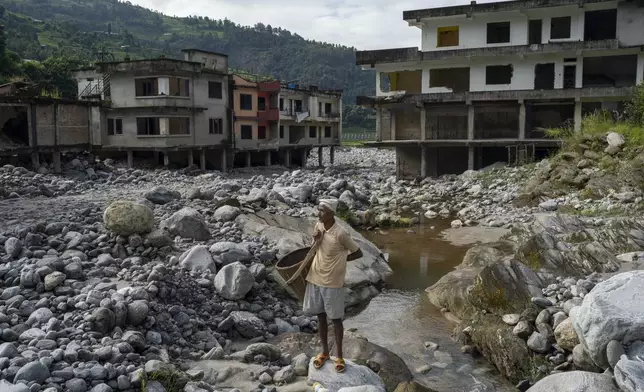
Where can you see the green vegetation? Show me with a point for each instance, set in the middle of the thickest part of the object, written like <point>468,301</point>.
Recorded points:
<point>82,31</point>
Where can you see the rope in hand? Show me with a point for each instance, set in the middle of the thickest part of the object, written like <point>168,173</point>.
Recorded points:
<point>307,260</point>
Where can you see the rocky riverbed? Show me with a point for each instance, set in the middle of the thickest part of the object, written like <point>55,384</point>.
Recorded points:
<point>117,279</point>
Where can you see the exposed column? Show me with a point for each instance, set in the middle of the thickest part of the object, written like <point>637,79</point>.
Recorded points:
<point>303,152</point>
<point>423,124</point>
<point>522,120</point>
<point>423,161</point>
<point>287,158</point>
<point>392,121</point>
<point>166,159</point>
<point>191,158</point>
<point>320,160</point>
<point>470,122</point>
<point>579,72</point>
<point>577,116</point>
<point>56,159</point>
<point>639,77</point>
<point>35,160</point>
<point>156,158</point>
<point>268,158</point>
<point>248,160</point>
<point>470,158</point>
<point>378,124</point>
<point>224,161</point>
<point>332,154</point>
<point>202,159</point>
<point>130,159</point>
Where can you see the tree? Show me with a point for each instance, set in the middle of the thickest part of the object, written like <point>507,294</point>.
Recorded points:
<point>109,28</point>
<point>2,10</point>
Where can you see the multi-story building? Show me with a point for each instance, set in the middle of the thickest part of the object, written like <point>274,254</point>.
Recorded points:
<point>489,78</point>
<point>192,111</point>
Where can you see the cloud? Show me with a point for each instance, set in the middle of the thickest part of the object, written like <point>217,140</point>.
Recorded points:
<point>374,24</point>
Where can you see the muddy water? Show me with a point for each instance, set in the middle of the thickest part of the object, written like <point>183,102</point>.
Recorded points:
<point>402,319</point>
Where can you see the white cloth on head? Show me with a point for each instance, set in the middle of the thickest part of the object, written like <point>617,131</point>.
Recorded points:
<point>331,204</point>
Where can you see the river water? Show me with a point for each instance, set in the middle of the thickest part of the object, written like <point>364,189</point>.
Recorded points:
<point>402,319</point>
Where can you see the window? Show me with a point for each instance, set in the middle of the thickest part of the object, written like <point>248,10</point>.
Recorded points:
<point>320,109</point>
<point>560,27</point>
<point>216,126</point>
<point>313,132</point>
<point>179,87</point>
<point>281,131</point>
<point>534,31</point>
<point>600,25</point>
<point>281,104</point>
<point>327,131</point>
<point>114,126</point>
<point>498,33</point>
<point>327,108</point>
<point>245,102</point>
<point>447,36</point>
<point>261,132</point>
<point>148,87</point>
<point>147,126</point>
<point>247,131</point>
<point>215,90</point>
<point>298,106</point>
<point>261,103</point>
<point>178,126</point>
<point>498,74</point>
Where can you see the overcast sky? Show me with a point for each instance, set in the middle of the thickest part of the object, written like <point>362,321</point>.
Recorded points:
<point>365,24</point>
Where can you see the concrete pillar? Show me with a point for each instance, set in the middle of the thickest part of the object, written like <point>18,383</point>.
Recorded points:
<point>470,122</point>
<point>479,159</point>
<point>522,121</point>
<point>332,154</point>
<point>423,124</point>
<point>248,161</point>
<point>392,121</point>
<point>156,157</point>
<point>578,116</point>
<point>639,77</point>
<point>202,159</point>
<point>470,158</point>
<point>287,158</point>
<point>378,124</point>
<point>191,158</point>
<point>303,152</point>
<point>268,158</point>
<point>579,72</point>
<point>56,159</point>
<point>166,159</point>
<point>224,161</point>
<point>320,160</point>
<point>423,161</point>
<point>35,160</point>
<point>130,159</point>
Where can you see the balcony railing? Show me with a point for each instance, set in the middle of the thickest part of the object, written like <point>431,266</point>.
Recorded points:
<point>293,112</point>
<point>272,114</point>
<point>330,115</point>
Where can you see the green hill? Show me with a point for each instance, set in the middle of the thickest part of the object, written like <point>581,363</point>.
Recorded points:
<point>83,29</point>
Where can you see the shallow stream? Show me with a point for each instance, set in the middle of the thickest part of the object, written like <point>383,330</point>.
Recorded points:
<point>402,319</point>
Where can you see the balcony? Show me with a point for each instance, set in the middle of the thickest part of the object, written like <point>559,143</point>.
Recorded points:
<point>272,114</point>
<point>297,114</point>
<point>331,116</point>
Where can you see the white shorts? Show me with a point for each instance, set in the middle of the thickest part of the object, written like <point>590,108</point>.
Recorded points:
<point>327,300</point>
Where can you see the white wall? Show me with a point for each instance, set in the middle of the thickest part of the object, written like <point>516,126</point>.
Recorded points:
<point>473,31</point>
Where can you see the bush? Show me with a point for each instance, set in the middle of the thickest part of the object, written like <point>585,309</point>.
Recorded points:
<point>635,108</point>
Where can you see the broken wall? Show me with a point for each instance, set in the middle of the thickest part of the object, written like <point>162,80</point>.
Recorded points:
<point>446,122</point>
<point>496,120</point>
<point>407,124</point>
<point>408,160</point>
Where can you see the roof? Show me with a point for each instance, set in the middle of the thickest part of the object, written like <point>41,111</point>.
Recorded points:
<point>204,51</point>
<point>499,6</point>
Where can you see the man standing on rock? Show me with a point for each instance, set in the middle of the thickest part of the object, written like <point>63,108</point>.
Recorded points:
<point>324,295</point>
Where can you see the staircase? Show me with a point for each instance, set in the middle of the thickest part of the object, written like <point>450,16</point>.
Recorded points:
<point>99,89</point>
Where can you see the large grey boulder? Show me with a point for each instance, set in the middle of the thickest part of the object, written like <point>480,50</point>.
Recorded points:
<point>234,281</point>
<point>161,195</point>
<point>198,259</point>
<point>629,374</point>
<point>613,310</point>
<point>125,218</point>
<point>188,223</point>
<point>33,371</point>
<point>226,213</point>
<point>6,386</point>
<point>576,381</point>
<point>248,324</point>
<point>354,375</point>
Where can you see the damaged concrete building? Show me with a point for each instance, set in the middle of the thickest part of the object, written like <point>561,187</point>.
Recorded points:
<point>490,78</point>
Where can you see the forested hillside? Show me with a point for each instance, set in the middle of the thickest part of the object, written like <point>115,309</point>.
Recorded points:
<point>78,31</point>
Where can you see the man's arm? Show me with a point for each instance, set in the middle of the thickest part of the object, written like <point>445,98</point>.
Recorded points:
<point>354,250</point>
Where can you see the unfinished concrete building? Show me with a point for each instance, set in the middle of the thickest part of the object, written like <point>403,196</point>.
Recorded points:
<point>491,77</point>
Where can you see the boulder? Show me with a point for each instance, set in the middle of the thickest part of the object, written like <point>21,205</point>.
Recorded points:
<point>161,195</point>
<point>234,281</point>
<point>198,259</point>
<point>187,223</point>
<point>125,218</point>
<point>6,386</point>
<point>566,335</point>
<point>226,213</point>
<point>615,139</point>
<point>577,381</point>
<point>613,310</point>
<point>629,374</point>
<point>354,376</point>
<point>33,371</point>
<point>247,324</point>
